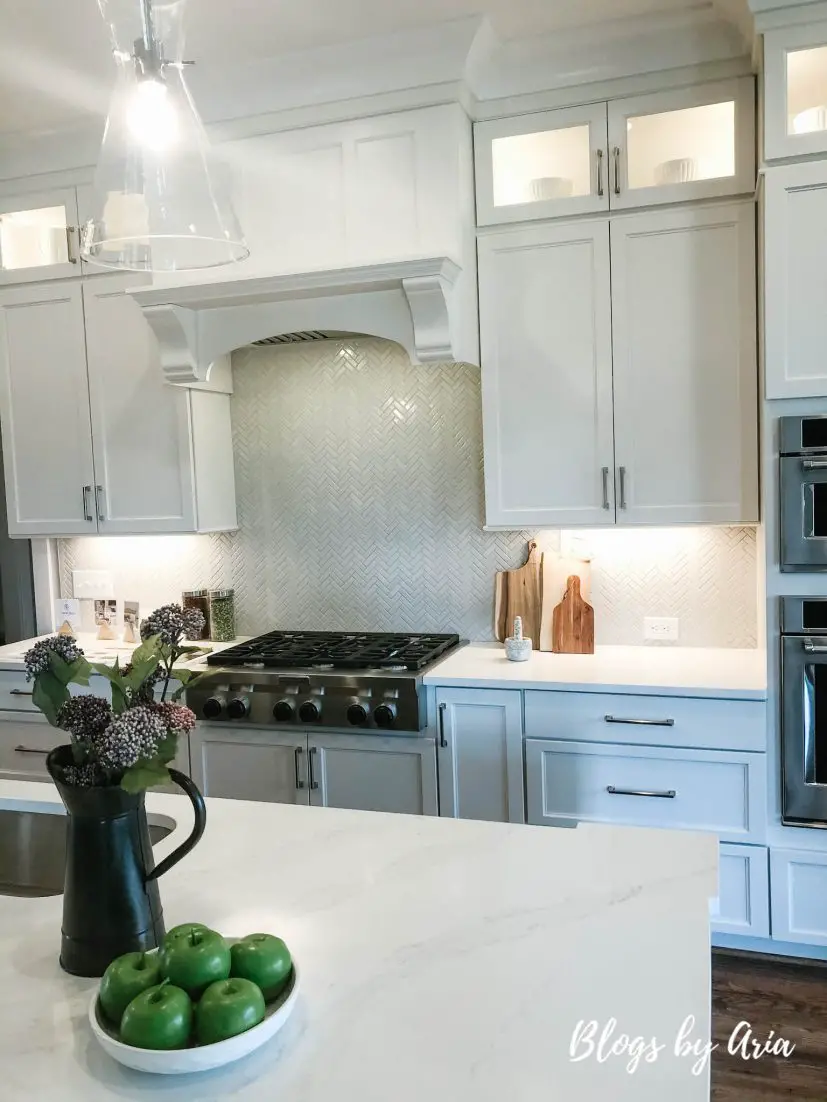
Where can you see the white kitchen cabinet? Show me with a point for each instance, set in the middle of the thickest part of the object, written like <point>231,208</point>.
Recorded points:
<point>743,904</point>
<point>149,458</point>
<point>665,147</point>
<point>541,165</point>
<point>545,336</point>
<point>798,881</point>
<point>685,374</point>
<point>44,411</point>
<point>795,280</point>
<point>39,236</point>
<point>25,740</point>
<point>372,773</point>
<point>235,764</point>
<point>795,90</point>
<point>480,754</point>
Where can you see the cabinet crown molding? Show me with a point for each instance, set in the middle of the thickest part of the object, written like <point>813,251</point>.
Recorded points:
<point>410,302</point>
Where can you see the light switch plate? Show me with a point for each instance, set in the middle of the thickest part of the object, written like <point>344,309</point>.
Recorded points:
<point>664,629</point>
<point>93,583</point>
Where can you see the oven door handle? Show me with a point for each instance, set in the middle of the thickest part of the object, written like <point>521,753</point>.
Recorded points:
<point>814,464</point>
<point>814,648</point>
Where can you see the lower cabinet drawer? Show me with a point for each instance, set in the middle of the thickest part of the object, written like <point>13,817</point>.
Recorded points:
<point>15,692</point>
<point>799,896</point>
<point>24,743</point>
<point>723,793</point>
<point>743,904</point>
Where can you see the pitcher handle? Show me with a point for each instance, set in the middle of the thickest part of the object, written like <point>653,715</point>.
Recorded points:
<point>183,781</point>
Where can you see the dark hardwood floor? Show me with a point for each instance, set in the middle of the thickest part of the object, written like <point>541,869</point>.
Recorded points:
<point>778,994</point>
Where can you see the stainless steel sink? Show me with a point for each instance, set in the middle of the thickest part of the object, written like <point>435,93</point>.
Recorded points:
<point>33,852</point>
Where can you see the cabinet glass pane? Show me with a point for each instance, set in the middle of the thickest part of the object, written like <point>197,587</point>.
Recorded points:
<point>533,168</point>
<point>807,90</point>
<point>677,147</point>
<point>33,238</point>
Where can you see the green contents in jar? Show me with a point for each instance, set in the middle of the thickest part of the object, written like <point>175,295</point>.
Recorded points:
<point>199,599</point>
<point>222,615</point>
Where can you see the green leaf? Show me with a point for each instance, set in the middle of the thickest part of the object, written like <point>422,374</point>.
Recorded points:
<point>149,648</point>
<point>48,694</point>
<point>80,670</point>
<point>144,774</point>
<point>168,748</point>
<point>140,672</point>
<point>194,650</point>
<point>67,671</point>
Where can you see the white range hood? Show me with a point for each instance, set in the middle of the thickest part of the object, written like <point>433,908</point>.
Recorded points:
<point>423,304</point>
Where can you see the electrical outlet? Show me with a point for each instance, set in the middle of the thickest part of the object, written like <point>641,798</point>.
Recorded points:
<point>93,583</point>
<point>664,629</point>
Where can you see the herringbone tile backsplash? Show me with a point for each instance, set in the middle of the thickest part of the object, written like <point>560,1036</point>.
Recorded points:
<point>359,481</point>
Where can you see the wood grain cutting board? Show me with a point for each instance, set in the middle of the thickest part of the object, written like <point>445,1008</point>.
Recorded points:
<point>517,593</point>
<point>573,623</point>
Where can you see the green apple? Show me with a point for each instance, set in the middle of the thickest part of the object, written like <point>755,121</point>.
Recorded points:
<point>264,959</point>
<point>195,960</point>
<point>184,930</point>
<point>160,1018</point>
<point>126,977</point>
<point>227,1008</point>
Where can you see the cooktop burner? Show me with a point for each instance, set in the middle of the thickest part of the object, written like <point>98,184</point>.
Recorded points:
<point>336,650</point>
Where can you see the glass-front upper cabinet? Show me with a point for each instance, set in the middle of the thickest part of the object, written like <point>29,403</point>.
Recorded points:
<point>691,143</point>
<point>795,82</point>
<point>38,236</point>
<point>541,165</point>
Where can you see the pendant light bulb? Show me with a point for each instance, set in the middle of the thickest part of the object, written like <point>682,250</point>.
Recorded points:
<point>151,116</point>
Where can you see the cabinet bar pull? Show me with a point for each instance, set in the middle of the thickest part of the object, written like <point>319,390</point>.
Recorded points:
<point>616,155</point>
<point>21,692</point>
<point>87,490</point>
<point>605,472</point>
<point>442,739</point>
<point>641,722</point>
<point>621,474</point>
<point>99,503</point>
<point>297,754</point>
<point>669,794</point>
<point>70,252</point>
<point>814,648</point>
<point>313,782</point>
<point>814,464</point>
<point>600,191</point>
<point>30,750</point>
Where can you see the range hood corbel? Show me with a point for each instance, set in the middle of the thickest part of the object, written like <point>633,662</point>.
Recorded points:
<point>421,304</point>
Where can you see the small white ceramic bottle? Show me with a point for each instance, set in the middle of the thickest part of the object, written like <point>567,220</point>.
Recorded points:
<point>517,649</point>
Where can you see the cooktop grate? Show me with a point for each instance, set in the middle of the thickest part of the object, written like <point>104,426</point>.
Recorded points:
<point>336,650</point>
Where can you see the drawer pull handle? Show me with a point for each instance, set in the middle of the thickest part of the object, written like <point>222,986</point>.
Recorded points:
<point>21,692</point>
<point>670,794</point>
<point>443,741</point>
<point>641,722</point>
<point>29,750</point>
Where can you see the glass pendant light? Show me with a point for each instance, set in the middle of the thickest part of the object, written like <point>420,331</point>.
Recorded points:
<point>162,202</point>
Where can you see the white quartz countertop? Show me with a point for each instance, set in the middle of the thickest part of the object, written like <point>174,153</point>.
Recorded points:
<point>104,650</point>
<point>674,671</point>
<point>441,960</point>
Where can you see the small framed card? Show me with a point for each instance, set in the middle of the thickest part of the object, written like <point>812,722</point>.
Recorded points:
<point>106,617</point>
<point>130,622</point>
<point>67,616</point>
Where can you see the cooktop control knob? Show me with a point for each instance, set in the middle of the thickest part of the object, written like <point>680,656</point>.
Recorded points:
<point>284,712</point>
<point>309,712</point>
<point>212,708</point>
<point>357,715</point>
<point>239,708</point>
<point>384,715</point>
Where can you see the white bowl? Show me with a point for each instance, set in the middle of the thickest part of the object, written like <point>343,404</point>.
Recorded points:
<point>681,170</point>
<point>810,121</point>
<point>181,1061</point>
<point>551,187</point>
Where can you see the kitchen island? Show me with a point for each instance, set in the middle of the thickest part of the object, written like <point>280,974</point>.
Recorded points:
<point>441,960</point>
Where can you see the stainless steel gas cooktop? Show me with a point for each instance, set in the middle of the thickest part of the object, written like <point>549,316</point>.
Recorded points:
<point>329,679</point>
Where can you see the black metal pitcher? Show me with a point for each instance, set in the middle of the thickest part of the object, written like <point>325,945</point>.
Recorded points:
<point>111,903</point>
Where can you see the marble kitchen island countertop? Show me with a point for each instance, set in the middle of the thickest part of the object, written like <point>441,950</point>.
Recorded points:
<point>107,650</point>
<point>441,960</point>
<point>656,671</point>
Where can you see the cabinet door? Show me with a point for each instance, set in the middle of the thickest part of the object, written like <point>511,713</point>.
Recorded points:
<point>685,373</point>
<point>798,881</point>
<point>25,740</point>
<point>370,773</point>
<point>140,423</point>
<point>795,90</point>
<point>545,330</point>
<point>795,282</point>
<point>541,165</point>
<point>480,754</point>
<point>267,766</point>
<point>44,410</point>
<point>743,903</point>
<point>38,236</point>
<point>692,143</point>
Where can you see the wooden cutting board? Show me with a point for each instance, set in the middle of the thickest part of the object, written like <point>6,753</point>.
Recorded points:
<point>573,622</point>
<point>517,593</point>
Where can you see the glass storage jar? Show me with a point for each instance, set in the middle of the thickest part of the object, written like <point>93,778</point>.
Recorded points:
<point>222,615</point>
<point>200,599</point>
